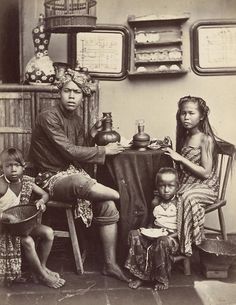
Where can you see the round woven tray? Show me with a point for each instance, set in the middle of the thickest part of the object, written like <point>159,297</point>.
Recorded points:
<point>218,247</point>
<point>28,217</point>
<point>217,252</point>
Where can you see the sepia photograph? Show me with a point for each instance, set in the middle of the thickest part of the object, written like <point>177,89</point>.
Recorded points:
<point>117,152</point>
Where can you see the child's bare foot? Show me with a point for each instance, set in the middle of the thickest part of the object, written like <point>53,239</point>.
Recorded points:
<point>52,282</point>
<point>115,271</point>
<point>161,286</point>
<point>135,284</point>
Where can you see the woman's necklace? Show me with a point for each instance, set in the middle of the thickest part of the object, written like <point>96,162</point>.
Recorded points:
<point>166,205</point>
<point>10,182</point>
<point>14,186</point>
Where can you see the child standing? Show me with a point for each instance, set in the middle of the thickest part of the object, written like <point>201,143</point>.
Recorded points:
<point>196,158</point>
<point>15,189</point>
<point>149,259</point>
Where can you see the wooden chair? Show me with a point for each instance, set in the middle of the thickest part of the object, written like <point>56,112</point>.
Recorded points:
<point>226,153</point>
<point>186,263</point>
<point>70,233</point>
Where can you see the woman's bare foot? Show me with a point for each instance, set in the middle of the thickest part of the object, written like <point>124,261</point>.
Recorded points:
<point>115,271</point>
<point>52,282</point>
<point>161,286</point>
<point>135,284</point>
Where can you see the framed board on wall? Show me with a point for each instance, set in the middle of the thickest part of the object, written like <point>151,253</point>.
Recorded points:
<point>213,47</point>
<point>104,51</point>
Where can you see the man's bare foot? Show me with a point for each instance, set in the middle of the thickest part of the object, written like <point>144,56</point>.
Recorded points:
<point>52,282</point>
<point>50,272</point>
<point>161,286</point>
<point>34,278</point>
<point>115,271</point>
<point>135,284</point>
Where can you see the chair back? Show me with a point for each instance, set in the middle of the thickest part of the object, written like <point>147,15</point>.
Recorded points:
<point>225,156</point>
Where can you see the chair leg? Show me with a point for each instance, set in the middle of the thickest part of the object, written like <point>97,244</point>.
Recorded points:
<point>187,267</point>
<point>186,262</point>
<point>74,241</point>
<point>222,224</point>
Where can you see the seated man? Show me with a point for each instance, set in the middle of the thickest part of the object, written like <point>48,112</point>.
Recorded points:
<point>59,150</point>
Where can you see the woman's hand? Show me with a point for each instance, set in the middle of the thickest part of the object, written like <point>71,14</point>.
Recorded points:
<point>96,127</point>
<point>173,154</point>
<point>113,149</point>
<point>40,205</point>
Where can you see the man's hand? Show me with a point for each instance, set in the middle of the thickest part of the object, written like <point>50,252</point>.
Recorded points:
<point>113,149</point>
<point>96,127</point>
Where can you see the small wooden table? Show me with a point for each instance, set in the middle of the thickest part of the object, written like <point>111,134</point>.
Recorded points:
<point>132,173</point>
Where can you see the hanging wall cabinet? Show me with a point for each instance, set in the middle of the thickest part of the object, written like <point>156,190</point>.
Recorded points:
<point>156,46</point>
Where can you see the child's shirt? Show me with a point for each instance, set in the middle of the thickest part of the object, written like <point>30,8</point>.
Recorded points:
<point>165,214</point>
<point>9,199</point>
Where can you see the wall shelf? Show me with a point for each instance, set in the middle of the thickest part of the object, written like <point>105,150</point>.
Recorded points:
<point>163,43</point>
<point>156,73</point>
<point>139,62</point>
<point>157,20</point>
<point>156,45</point>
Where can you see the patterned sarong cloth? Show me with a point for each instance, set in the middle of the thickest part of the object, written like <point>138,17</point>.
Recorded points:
<point>10,248</point>
<point>82,207</point>
<point>150,259</point>
<point>196,194</point>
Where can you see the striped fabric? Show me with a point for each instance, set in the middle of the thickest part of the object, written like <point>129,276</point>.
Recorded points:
<point>196,195</point>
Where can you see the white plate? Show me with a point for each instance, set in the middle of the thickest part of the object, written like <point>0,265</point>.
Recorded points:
<point>154,147</point>
<point>127,146</point>
<point>40,84</point>
<point>153,232</point>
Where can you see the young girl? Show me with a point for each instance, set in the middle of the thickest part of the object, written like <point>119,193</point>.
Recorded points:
<point>196,158</point>
<point>150,259</point>
<point>15,189</point>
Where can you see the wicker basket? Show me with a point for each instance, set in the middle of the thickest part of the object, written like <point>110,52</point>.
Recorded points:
<point>62,16</point>
<point>28,217</point>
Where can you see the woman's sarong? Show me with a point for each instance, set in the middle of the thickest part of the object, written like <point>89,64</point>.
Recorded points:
<point>196,195</point>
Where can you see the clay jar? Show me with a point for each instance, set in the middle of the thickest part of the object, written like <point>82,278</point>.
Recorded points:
<point>141,139</point>
<point>107,135</point>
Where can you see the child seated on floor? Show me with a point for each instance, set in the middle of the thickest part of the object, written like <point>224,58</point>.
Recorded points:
<point>16,189</point>
<point>150,258</point>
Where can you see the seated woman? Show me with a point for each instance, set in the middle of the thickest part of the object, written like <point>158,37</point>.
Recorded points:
<point>196,158</point>
<point>150,259</point>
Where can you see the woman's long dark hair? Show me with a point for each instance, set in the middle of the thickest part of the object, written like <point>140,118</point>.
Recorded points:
<point>204,125</point>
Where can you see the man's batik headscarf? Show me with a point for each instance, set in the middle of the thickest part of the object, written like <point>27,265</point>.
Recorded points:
<point>82,80</point>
